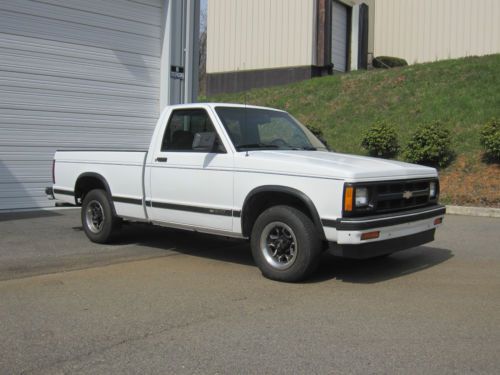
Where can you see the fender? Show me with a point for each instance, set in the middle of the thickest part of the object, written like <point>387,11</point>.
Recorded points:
<point>104,182</point>
<point>290,191</point>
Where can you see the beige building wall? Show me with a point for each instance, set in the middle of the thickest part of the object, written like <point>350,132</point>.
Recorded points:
<point>428,30</point>
<point>259,34</point>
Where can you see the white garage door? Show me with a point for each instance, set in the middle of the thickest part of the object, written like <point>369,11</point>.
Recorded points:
<point>339,36</point>
<point>74,74</point>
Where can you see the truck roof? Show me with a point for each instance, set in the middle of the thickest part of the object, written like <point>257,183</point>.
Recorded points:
<point>213,105</point>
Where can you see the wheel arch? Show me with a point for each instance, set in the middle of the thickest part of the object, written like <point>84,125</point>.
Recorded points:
<point>257,201</point>
<point>88,181</point>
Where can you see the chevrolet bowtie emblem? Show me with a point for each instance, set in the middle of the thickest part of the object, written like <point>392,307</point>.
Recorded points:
<point>407,194</point>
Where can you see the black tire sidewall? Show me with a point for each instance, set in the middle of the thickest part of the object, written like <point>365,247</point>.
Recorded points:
<point>105,235</point>
<point>308,244</point>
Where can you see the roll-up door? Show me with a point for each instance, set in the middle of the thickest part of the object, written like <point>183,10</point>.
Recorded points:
<point>74,74</point>
<point>339,36</point>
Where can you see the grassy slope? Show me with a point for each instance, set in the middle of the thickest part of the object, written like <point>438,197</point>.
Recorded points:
<point>463,94</point>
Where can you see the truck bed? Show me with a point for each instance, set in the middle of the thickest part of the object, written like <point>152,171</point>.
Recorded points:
<point>123,172</point>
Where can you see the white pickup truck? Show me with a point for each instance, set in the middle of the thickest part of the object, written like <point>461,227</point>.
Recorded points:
<point>253,173</point>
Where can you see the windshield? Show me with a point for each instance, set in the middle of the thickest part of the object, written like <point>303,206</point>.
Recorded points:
<point>254,129</point>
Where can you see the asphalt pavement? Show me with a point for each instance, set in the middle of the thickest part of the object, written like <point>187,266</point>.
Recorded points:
<point>162,301</point>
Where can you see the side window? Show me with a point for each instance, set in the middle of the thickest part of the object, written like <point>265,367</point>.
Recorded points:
<point>182,128</point>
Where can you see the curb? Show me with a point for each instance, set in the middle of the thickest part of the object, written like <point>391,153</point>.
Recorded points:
<point>473,211</point>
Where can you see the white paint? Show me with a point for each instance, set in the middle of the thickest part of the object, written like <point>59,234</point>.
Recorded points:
<point>223,181</point>
<point>189,178</point>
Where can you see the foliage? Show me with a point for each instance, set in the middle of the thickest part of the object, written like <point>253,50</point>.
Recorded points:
<point>388,62</point>
<point>430,145</point>
<point>315,130</point>
<point>490,140</point>
<point>381,140</point>
<point>318,132</point>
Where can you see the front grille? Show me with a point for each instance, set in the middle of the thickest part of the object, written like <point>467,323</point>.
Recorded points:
<point>392,196</point>
<point>403,195</point>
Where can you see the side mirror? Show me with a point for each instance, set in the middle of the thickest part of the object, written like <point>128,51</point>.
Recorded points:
<point>204,141</point>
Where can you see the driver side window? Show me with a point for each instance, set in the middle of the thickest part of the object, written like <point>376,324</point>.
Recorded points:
<point>182,128</point>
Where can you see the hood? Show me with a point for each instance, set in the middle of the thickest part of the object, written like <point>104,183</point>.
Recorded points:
<point>330,165</point>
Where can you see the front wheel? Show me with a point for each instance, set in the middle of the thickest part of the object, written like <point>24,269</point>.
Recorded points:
<point>98,221</point>
<point>285,244</point>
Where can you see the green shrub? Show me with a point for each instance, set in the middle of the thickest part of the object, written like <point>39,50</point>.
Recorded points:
<point>490,140</point>
<point>388,62</point>
<point>315,130</point>
<point>319,134</point>
<point>430,145</point>
<point>381,140</point>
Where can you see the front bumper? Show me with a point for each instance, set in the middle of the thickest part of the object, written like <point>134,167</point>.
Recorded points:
<point>377,248</point>
<point>370,222</point>
<point>395,232</point>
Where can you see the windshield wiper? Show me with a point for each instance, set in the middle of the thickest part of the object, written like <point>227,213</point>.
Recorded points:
<point>257,145</point>
<point>309,148</point>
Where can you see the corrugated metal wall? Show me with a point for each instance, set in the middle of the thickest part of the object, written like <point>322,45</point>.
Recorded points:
<point>73,74</point>
<point>259,34</point>
<point>428,30</point>
<point>339,36</point>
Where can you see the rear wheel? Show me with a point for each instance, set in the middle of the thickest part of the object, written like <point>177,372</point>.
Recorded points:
<point>285,244</point>
<point>98,221</point>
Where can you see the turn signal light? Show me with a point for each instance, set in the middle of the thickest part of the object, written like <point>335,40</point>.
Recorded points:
<point>348,198</point>
<point>438,221</point>
<point>370,235</point>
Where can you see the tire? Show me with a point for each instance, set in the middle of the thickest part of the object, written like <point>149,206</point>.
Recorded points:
<point>285,244</point>
<point>98,221</point>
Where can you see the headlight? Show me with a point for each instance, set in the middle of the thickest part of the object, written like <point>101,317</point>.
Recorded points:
<point>361,197</point>
<point>432,189</point>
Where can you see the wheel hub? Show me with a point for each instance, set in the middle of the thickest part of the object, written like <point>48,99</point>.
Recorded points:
<point>94,216</point>
<point>279,245</point>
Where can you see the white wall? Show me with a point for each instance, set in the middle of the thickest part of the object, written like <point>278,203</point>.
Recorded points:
<point>428,30</point>
<point>80,74</point>
<point>259,34</point>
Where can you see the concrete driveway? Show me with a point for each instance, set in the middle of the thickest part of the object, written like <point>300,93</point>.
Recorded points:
<point>164,301</point>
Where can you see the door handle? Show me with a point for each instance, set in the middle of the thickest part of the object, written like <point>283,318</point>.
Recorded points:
<point>161,160</point>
